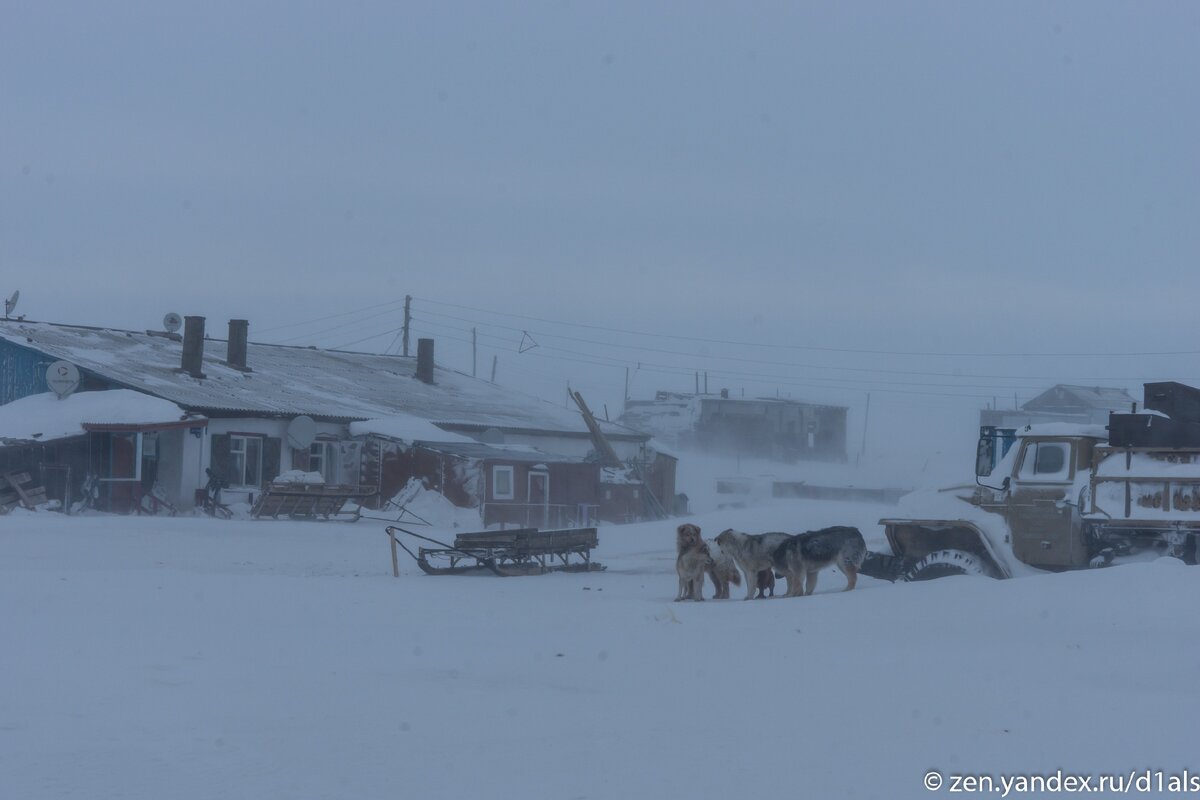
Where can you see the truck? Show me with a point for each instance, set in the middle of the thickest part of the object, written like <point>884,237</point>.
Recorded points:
<point>1063,497</point>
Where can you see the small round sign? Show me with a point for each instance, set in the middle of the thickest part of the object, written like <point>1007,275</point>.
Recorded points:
<point>62,377</point>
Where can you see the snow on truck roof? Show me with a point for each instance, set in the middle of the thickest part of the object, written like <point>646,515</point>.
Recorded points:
<point>287,380</point>
<point>1064,429</point>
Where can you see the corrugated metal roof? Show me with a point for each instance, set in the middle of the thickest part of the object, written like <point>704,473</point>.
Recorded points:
<point>290,381</point>
<point>1098,397</point>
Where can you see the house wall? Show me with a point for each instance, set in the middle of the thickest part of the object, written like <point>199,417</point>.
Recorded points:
<point>23,372</point>
<point>278,455</point>
<point>782,431</point>
<point>571,485</point>
<point>179,465</point>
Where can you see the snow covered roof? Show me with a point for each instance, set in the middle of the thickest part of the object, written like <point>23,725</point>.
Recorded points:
<point>43,417</point>
<point>1066,396</point>
<point>290,381</point>
<point>407,428</point>
<point>500,452</point>
<point>1064,429</point>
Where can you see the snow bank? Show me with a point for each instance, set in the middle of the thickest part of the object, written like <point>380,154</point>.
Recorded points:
<point>43,417</point>
<point>433,507</point>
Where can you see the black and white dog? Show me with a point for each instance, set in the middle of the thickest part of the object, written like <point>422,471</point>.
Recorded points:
<point>808,553</point>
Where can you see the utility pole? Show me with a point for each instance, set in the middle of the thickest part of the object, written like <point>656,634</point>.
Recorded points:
<point>866,415</point>
<point>697,381</point>
<point>706,381</point>
<point>625,402</point>
<point>494,369</point>
<point>473,353</point>
<point>407,320</point>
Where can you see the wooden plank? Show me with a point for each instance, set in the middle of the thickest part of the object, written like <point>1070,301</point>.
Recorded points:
<point>15,481</point>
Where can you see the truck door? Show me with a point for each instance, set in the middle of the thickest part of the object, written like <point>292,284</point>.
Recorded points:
<point>1042,524</point>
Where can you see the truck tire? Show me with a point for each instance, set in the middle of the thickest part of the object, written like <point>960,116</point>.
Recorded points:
<point>941,563</point>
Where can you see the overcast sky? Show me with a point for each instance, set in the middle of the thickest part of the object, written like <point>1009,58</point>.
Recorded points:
<point>937,178</point>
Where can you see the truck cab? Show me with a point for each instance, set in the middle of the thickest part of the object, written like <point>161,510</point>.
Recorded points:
<point>1041,494</point>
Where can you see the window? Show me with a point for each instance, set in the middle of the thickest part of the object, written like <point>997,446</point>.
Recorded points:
<point>502,483</point>
<point>245,457</point>
<point>1047,461</point>
<point>322,458</point>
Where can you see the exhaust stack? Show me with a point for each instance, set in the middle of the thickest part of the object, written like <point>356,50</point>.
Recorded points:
<point>193,347</point>
<point>425,360</point>
<point>235,357</point>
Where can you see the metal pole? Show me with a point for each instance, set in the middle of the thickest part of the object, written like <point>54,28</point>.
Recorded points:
<point>474,360</point>
<point>407,320</point>
<point>866,415</point>
<point>494,368</point>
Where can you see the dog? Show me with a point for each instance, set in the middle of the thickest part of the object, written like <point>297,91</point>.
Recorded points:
<point>691,566</point>
<point>806,554</point>
<point>723,570</point>
<point>752,553</point>
<point>766,583</point>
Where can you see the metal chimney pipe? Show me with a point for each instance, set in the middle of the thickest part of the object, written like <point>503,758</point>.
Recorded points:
<point>193,347</point>
<point>425,360</point>
<point>235,357</point>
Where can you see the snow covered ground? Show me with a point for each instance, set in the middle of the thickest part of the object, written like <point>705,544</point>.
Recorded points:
<point>194,658</point>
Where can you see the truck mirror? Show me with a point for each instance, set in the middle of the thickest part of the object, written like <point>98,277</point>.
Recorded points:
<point>984,455</point>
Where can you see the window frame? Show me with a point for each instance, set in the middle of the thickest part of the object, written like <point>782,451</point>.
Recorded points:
<point>498,469</point>
<point>235,452</point>
<point>1027,470</point>
<point>327,458</point>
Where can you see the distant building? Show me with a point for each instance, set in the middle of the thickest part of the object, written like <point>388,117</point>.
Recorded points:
<point>235,412</point>
<point>1083,405</point>
<point>780,429</point>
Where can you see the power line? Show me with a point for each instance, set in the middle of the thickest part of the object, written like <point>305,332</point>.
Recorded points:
<point>793,365</point>
<point>773,379</point>
<point>330,316</point>
<point>807,347</point>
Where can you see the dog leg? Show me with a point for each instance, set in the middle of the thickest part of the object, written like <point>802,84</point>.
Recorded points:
<point>812,581</point>
<point>751,582</point>
<point>851,576</point>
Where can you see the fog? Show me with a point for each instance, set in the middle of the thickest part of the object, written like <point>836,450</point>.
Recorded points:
<point>939,206</point>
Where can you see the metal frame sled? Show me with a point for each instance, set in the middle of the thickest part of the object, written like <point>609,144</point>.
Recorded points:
<point>521,551</point>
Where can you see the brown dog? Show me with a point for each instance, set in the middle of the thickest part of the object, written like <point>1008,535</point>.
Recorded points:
<point>721,569</point>
<point>766,583</point>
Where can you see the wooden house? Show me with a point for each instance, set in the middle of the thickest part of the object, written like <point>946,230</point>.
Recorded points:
<point>253,398</point>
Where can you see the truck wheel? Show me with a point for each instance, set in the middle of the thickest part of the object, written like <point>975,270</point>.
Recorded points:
<point>941,563</point>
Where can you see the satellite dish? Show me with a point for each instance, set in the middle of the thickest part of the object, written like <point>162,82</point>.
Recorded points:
<point>172,322</point>
<point>63,378</point>
<point>10,304</point>
<point>301,432</point>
